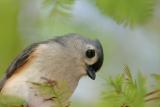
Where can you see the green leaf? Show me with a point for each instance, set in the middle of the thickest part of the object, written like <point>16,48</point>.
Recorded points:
<point>156,77</point>
<point>11,101</point>
<point>124,91</point>
<point>56,92</point>
<point>129,12</point>
<point>62,7</point>
<point>157,80</point>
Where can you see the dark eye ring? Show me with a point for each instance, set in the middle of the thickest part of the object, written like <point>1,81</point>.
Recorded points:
<point>90,53</point>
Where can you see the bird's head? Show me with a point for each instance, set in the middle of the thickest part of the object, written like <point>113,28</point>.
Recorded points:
<point>89,52</point>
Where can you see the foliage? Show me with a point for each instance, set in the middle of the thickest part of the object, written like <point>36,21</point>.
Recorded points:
<point>156,77</point>
<point>128,92</point>
<point>56,92</point>
<point>62,7</point>
<point>129,12</point>
<point>53,91</point>
<point>122,91</point>
<point>11,101</point>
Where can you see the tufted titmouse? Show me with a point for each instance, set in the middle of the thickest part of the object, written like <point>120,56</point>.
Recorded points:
<point>66,58</point>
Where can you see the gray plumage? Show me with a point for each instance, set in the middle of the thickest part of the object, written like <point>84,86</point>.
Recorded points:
<point>65,58</point>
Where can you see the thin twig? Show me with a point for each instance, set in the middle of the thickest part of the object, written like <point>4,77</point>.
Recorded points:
<point>49,99</point>
<point>152,99</point>
<point>152,92</point>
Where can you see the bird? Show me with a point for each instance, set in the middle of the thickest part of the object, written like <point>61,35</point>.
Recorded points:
<point>65,58</point>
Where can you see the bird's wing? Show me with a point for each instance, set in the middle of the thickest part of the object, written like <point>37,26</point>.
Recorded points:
<point>18,62</point>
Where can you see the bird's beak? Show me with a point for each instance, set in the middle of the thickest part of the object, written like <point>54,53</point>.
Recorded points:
<point>91,72</point>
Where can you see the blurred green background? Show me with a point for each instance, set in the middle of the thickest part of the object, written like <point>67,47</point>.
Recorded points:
<point>128,30</point>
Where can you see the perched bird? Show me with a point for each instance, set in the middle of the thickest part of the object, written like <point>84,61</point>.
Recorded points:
<point>66,58</point>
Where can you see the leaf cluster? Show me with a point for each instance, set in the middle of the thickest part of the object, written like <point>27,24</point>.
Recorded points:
<point>129,12</point>
<point>11,101</point>
<point>55,92</point>
<point>125,91</point>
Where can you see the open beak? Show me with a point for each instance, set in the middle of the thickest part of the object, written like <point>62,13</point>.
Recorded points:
<point>91,72</point>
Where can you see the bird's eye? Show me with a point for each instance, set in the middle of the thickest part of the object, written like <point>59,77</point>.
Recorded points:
<point>90,53</point>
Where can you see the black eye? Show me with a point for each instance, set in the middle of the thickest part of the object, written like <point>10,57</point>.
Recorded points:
<point>90,53</point>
